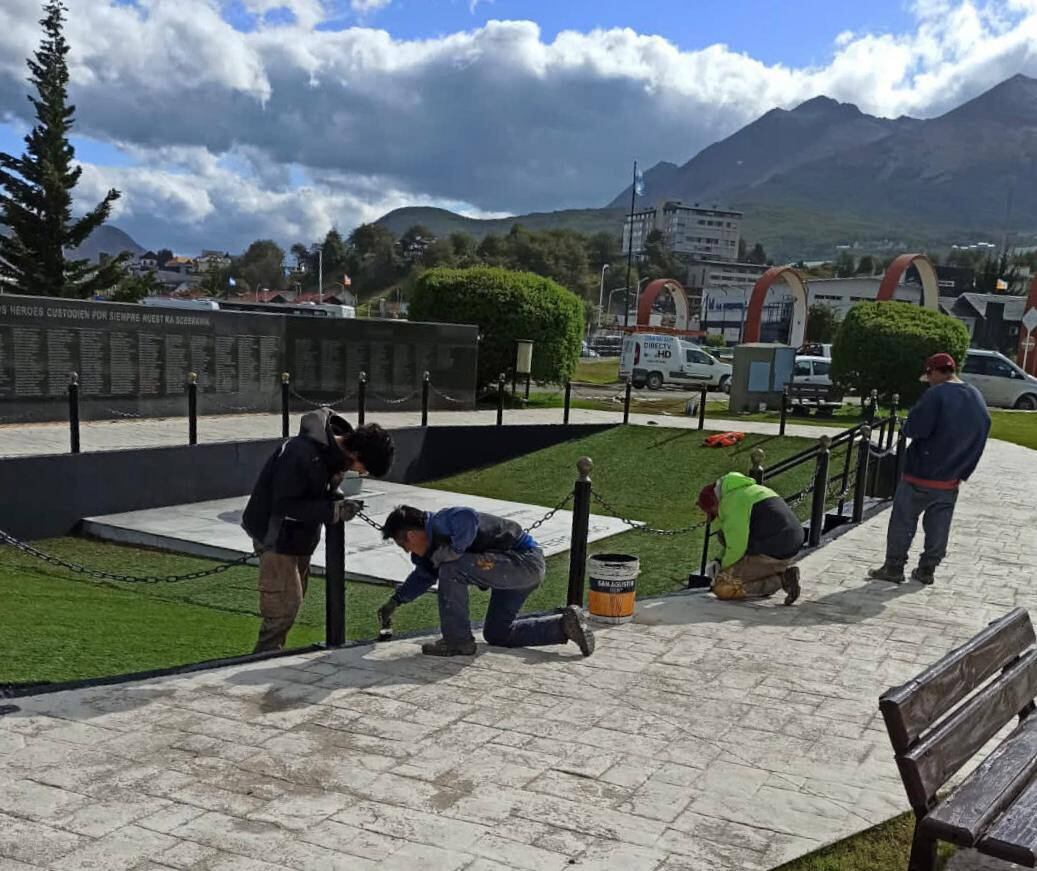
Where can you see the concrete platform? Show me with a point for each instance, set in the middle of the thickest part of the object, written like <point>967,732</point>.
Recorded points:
<point>212,529</point>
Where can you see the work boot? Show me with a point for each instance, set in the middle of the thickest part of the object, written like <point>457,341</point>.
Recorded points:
<point>577,630</point>
<point>888,572</point>
<point>924,575</point>
<point>442,647</point>
<point>790,584</point>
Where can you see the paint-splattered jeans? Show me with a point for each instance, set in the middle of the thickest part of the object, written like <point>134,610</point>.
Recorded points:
<point>511,576</point>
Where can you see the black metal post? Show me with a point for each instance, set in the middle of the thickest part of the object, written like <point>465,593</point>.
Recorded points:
<point>862,474</point>
<point>901,453</point>
<point>892,420</point>
<point>626,402</point>
<point>581,527</point>
<point>425,385</point>
<point>73,412</point>
<point>873,408</point>
<point>817,506</point>
<point>568,399</point>
<point>705,547</point>
<point>500,399</point>
<point>361,399</point>
<point>286,423</point>
<point>192,408</point>
<point>756,469</point>
<point>846,474</point>
<point>784,411</point>
<point>528,377</point>
<point>335,584</point>
<point>702,408</point>
<point>514,383</point>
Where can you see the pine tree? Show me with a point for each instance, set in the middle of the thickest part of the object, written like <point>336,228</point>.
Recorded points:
<point>36,188</point>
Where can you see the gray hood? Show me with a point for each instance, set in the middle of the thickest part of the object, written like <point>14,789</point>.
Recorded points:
<point>321,424</point>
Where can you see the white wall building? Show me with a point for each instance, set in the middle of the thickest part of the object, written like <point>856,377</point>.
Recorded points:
<point>688,230</point>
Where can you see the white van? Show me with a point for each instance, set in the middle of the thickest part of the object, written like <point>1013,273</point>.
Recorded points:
<point>1002,383</point>
<point>651,360</point>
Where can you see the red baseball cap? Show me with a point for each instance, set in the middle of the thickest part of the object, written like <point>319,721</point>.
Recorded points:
<point>708,501</point>
<point>939,361</point>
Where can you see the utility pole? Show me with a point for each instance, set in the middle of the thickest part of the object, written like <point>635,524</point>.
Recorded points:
<point>318,249</point>
<point>630,249</point>
<point>601,293</point>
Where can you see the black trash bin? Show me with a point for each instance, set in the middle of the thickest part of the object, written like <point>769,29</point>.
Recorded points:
<point>882,475</point>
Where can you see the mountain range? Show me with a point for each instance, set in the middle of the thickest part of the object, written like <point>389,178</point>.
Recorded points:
<point>825,173</point>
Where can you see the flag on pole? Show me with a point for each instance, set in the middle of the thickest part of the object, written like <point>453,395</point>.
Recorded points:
<point>639,183</point>
<point>346,281</point>
<point>231,282</point>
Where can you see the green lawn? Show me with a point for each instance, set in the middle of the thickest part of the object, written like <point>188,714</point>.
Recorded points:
<point>601,370</point>
<point>883,848</point>
<point>60,626</point>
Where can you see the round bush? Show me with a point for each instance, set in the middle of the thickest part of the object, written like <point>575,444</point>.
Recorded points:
<point>506,306</point>
<point>884,345</point>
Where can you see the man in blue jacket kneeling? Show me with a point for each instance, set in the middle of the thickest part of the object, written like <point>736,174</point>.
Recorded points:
<point>461,548</point>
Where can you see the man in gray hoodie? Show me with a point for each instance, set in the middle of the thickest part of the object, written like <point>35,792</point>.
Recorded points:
<point>295,494</point>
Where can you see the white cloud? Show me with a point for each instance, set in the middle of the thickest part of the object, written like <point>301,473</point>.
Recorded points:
<point>496,117</point>
<point>362,7</point>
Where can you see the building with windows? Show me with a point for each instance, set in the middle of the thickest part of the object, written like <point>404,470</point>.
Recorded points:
<point>691,231</point>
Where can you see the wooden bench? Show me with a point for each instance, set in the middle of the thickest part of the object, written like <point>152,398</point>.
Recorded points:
<point>941,719</point>
<point>824,398</point>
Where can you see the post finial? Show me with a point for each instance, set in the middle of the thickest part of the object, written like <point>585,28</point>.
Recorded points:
<point>285,378</point>
<point>73,378</point>
<point>363,377</point>
<point>866,432</point>
<point>825,442</point>
<point>584,465</point>
<point>192,377</point>
<point>756,456</point>
<point>427,376</point>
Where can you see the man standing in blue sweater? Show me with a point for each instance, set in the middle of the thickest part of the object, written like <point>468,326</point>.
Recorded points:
<point>948,428</point>
<point>462,548</point>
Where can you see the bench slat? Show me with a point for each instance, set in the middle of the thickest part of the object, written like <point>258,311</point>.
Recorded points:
<point>935,759</point>
<point>988,791</point>
<point>912,708</point>
<point>1014,836</point>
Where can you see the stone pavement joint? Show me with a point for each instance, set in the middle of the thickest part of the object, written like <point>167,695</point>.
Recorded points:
<point>704,735</point>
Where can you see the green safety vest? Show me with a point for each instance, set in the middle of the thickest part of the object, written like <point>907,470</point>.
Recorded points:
<point>738,494</point>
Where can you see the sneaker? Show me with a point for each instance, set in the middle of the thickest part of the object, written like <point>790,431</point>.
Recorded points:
<point>887,573</point>
<point>790,584</point>
<point>442,647</point>
<point>923,576</point>
<point>577,630</point>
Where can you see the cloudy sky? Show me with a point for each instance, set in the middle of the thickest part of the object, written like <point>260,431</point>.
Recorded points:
<point>222,122</point>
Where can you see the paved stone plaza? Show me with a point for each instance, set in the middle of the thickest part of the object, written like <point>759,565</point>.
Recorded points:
<point>106,435</point>
<point>703,736</point>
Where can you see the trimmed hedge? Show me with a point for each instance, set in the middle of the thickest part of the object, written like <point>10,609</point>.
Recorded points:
<point>884,345</point>
<point>506,306</point>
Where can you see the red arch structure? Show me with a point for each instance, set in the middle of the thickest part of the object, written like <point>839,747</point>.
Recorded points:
<point>797,284</point>
<point>1031,358</point>
<point>926,271</point>
<point>654,288</point>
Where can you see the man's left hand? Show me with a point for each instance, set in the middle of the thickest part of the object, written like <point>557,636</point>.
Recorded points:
<point>347,509</point>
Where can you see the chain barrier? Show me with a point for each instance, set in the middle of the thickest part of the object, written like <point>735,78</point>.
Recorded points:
<point>834,496</point>
<point>374,524</point>
<point>329,403</point>
<point>399,401</point>
<point>453,399</point>
<point>640,527</point>
<point>28,549</point>
<point>796,499</point>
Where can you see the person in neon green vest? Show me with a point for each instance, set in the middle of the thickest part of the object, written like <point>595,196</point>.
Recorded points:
<point>760,536</point>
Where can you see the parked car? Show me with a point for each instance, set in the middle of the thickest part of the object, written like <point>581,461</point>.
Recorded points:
<point>1002,383</point>
<point>724,355</point>
<point>651,360</point>
<point>812,370</point>
<point>817,349</point>
<point>587,351</point>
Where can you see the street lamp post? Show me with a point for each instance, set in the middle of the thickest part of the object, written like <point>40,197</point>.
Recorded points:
<point>601,292</point>
<point>318,249</point>
<point>637,297</point>
<point>612,293</point>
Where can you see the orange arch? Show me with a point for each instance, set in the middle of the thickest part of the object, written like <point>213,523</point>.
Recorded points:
<point>1031,358</point>
<point>797,284</point>
<point>654,288</point>
<point>926,271</point>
